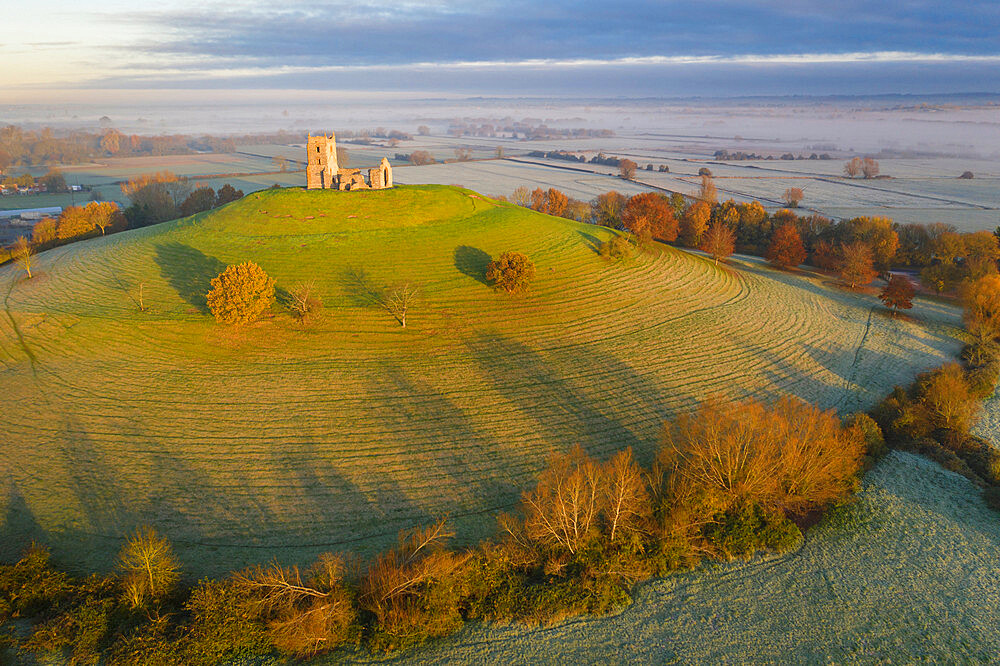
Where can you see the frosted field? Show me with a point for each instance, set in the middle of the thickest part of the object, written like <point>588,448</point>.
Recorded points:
<point>906,574</point>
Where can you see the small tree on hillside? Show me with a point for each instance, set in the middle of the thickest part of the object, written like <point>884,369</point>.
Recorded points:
<point>227,193</point>
<point>200,200</point>
<point>858,267</point>
<point>792,196</point>
<point>304,302</point>
<point>719,241</point>
<point>149,566</point>
<point>23,254</point>
<point>786,249</point>
<point>626,169</point>
<point>105,215</point>
<point>512,272</point>
<point>898,293</point>
<point>241,294</point>
<point>399,301</point>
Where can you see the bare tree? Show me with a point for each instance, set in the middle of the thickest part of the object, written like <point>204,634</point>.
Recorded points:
<point>626,169</point>
<point>707,191</point>
<point>305,615</point>
<point>625,497</point>
<point>303,301</point>
<point>399,300</point>
<point>463,154</point>
<point>398,583</point>
<point>23,254</point>
<point>792,196</point>
<point>521,196</point>
<point>563,508</point>
<point>149,565</point>
<point>281,162</point>
<point>719,241</point>
<point>852,167</point>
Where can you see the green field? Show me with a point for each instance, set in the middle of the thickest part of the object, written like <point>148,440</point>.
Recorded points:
<point>282,441</point>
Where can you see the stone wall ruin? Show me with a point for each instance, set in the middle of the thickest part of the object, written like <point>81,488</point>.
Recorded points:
<point>323,172</point>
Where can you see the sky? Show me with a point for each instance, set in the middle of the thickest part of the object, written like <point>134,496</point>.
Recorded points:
<point>65,50</point>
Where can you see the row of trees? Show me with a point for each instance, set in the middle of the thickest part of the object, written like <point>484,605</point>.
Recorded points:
<point>728,480</point>
<point>165,196</point>
<point>859,248</point>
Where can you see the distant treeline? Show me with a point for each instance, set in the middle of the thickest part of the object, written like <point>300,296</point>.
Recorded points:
<point>525,130</point>
<point>740,155</point>
<point>27,148</point>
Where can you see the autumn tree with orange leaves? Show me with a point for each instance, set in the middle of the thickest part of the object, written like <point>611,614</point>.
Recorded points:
<point>650,215</point>
<point>786,249</point>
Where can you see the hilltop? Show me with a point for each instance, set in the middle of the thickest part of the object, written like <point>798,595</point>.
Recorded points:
<point>282,441</point>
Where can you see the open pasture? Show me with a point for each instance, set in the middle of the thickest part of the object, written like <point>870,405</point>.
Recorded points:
<point>285,441</point>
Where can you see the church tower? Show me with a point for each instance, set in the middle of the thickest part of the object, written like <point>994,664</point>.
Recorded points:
<point>321,171</point>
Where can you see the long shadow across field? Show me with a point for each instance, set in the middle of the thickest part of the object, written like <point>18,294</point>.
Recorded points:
<point>188,271</point>
<point>472,261</point>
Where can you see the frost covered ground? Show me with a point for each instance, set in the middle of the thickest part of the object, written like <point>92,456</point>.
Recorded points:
<point>906,574</point>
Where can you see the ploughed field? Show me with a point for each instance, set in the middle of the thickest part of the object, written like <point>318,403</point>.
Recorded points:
<point>282,441</point>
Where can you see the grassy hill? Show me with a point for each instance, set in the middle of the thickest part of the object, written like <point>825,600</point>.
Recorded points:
<point>284,441</point>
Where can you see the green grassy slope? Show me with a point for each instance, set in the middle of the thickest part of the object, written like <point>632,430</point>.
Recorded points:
<point>283,441</point>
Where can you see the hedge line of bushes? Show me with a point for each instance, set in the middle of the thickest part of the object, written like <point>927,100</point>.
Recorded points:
<point>729,480</point>
<point>933,416</point>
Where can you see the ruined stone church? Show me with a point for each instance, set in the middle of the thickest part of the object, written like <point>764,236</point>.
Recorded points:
<point>323,172</point>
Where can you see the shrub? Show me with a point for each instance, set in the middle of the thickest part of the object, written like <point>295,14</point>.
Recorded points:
<point>871,434</point>
<point>902,418</point>
<point>992,497</point>
<point>788,457</point>
<point>616,248</point>
<point>512,272</point>
<point>241,294</point>
<point>948,399</point>
<point>982,381</point>
<point>746,529</point>
<point>705,171</point>
<point>31,586</point>
<point>983,458</point>
<point>982,307</point>
<point>410,590</point>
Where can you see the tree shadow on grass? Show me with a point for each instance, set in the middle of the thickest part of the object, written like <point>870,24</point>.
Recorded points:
<point>188,271</point>
<point>360,287</point>
<point>592,241</point>
<point>472,261</point>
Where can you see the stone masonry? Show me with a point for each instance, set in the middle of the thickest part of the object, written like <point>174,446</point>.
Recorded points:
<point>323,172</point>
